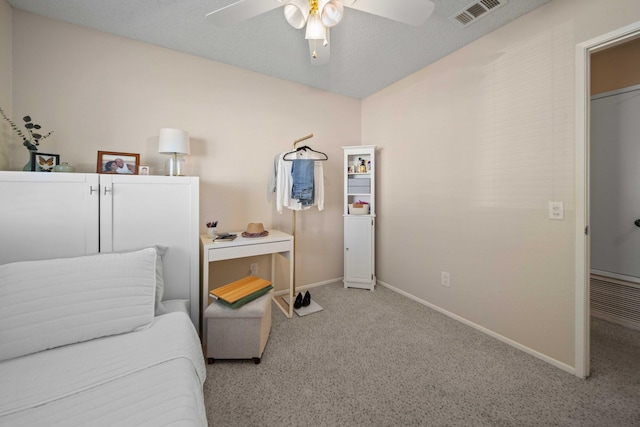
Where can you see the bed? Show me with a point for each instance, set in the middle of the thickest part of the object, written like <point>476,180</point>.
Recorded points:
<point>93,344</point>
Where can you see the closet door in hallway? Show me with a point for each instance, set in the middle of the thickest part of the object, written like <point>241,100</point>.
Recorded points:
<point>615,174</point>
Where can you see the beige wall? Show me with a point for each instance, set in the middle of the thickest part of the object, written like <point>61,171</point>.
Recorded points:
<point>5,80</point>
<point>472,148</point>
<point>101,92</point>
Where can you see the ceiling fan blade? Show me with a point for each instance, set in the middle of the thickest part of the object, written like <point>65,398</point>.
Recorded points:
<point>240,11</point>
<point>322,51</point>
<point>412,12</point>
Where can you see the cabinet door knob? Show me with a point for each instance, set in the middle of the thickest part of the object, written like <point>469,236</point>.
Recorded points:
<point>106,190</point>
<point>92,190</point>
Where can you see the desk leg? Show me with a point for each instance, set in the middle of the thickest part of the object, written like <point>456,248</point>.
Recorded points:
<point>204,301</point>
<point>273,269</point>
<point>291,280</point>
<point>284,303</point>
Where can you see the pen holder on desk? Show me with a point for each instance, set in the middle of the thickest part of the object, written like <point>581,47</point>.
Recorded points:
<point>211,232</point>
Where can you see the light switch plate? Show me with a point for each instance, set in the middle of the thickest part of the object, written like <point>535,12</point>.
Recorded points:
<point>556,210</point>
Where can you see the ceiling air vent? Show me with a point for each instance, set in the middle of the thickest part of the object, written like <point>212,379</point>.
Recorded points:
<point>476,10</point>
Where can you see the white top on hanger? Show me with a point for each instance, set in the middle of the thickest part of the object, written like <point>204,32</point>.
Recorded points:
<point>281,182</point>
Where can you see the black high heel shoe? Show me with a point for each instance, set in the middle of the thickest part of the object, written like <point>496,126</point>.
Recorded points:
<point>298,301</point>
<point>307,299</point>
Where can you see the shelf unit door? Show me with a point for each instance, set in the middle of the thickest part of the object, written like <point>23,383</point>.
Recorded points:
<point>358,252</point>
<point>142,211</point>
<point>48,215</point>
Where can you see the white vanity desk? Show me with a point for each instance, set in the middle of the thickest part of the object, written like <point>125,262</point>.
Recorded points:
<point>277,242</point>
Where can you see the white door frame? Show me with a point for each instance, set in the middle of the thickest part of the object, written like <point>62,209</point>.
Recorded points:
<point>583,113</point>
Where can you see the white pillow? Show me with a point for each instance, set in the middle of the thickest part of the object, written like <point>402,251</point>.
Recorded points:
<point>159,307</point>
<point>160,251</point>
<point>50,303</point>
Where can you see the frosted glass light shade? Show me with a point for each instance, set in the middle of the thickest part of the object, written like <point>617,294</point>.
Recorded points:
<point>315,29</point>
<point>332,13</point>
<point>296,13</point>
<point>173,141</point>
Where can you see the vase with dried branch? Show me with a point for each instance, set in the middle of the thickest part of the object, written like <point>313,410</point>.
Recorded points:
<point>31,138</point>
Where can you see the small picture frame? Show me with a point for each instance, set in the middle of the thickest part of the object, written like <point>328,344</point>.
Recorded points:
<point>349,169</point>
<point>118,163</point>
<point>143,170</point>
<point>44,162</point>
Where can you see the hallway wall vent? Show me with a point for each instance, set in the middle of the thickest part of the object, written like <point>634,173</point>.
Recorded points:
<point>616,301</point>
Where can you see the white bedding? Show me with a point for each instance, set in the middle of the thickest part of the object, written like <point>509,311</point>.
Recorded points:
<point>150,377</point>
<point>173,305</point>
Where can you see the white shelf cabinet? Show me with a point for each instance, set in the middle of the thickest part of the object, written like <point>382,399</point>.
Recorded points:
<point>53,215</point>
<point>359,223</point>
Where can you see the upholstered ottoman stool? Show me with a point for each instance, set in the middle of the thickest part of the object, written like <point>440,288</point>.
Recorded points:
<point>238,333</point>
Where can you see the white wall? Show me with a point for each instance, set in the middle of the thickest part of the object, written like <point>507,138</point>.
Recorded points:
<point>5,80</point>
<point>101,92</point>
<point>472,148</point>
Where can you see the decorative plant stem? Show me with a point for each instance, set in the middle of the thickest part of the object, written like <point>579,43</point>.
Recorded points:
<point>31,139</point>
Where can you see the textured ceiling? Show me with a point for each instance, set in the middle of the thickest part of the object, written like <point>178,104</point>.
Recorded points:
<point>368,52</point>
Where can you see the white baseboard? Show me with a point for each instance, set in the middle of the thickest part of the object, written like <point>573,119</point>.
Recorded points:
<point>551,361</point>
<point>309,286</point>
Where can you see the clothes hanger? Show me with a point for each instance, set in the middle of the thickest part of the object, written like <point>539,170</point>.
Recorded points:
<point>304,148</point>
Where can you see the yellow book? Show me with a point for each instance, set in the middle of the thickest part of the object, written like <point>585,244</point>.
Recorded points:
<point>239,289</point>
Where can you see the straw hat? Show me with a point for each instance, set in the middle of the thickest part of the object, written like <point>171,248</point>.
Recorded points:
<point>255,229</point>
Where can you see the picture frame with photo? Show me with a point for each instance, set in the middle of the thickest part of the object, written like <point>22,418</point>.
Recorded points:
<point>44,162</point>
<point>144,170</point>
<point>113,162</point>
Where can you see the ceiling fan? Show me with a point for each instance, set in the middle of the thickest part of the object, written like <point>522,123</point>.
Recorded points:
<point>320,15</point>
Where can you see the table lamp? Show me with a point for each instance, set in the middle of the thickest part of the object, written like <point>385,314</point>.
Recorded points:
<point>175,142</point>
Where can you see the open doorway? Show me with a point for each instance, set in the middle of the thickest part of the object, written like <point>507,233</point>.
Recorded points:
<point>614,208</point>
<point>583,186</point>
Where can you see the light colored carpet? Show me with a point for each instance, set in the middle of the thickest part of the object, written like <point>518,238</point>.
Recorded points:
<point>381,359</point>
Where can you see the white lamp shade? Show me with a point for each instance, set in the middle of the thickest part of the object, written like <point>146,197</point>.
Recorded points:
<point>296,13</point>
<point>315,29</point>
<point>332,13</point>
<point>173,141</point>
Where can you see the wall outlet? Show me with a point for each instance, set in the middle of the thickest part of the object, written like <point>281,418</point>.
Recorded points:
<point>254,269</point>
<point>444,278</point>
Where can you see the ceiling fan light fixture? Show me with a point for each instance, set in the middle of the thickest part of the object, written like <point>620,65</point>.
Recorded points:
<point>315,29</point>
<point>296,13</point>
<point>332,13</point>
